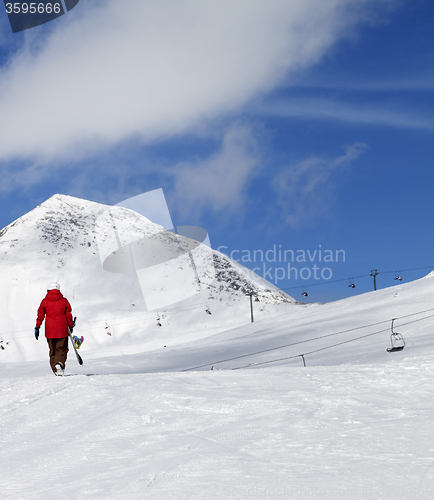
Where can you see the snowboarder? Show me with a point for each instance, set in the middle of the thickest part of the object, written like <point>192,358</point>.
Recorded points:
<point>57,311</point>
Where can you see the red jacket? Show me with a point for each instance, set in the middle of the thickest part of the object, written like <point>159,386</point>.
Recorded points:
<point>57,310</point>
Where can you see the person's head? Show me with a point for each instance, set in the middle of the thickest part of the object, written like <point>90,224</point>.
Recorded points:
<point>53,286</point>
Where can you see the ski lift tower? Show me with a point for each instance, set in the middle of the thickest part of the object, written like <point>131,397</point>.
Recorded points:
<point>374,274</point>
<point>250,294</point>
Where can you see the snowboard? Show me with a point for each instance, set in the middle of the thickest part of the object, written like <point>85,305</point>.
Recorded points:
<point>80,361</point>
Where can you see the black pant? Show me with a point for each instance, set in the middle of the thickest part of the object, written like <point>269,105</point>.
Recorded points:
<point>58,352</point>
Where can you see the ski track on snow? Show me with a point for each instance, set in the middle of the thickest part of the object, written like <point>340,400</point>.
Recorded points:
<point>216,434</point>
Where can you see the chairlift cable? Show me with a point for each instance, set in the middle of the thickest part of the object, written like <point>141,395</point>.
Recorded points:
<point>317,350</point>
<point>334,345</point>
<point>357,277</point>
<point>286,345</point>
<point>311,340</point>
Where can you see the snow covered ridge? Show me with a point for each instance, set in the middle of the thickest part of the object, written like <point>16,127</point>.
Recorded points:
<point>430,275</point>
<point>57,241</point>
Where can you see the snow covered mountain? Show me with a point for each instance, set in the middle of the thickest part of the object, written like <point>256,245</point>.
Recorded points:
<point>147,418</point>
<point>356,422</point>
<point>60,240</point>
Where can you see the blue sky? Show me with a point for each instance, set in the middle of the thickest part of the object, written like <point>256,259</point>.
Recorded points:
<point>291,125</point>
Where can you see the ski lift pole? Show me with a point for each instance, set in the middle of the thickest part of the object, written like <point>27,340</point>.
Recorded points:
<point>251,305</point>
<point>374,274</point>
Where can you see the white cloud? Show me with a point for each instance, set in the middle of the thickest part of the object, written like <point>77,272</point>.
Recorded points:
<point>219,182</point>
<point>306,189</point>
<point>149,69</point>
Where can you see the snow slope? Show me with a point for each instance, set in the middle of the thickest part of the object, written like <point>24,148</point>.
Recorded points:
<point>355,423</point>
<point>361,427</point>
<point>351,432</point>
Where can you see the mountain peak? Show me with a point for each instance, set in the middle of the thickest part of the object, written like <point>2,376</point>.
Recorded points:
<point>64,201</point>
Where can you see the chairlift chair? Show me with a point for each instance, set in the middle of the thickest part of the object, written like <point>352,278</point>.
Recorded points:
<point>398,276</point>
<point>107,328</point>
<point>304,292</point>
<point>396,340</point>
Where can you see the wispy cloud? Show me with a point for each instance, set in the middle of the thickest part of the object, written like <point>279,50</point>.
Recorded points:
<point>414,83</point>
<point>332,109</point>
<point>114,70</point>
<point>305,189</point>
